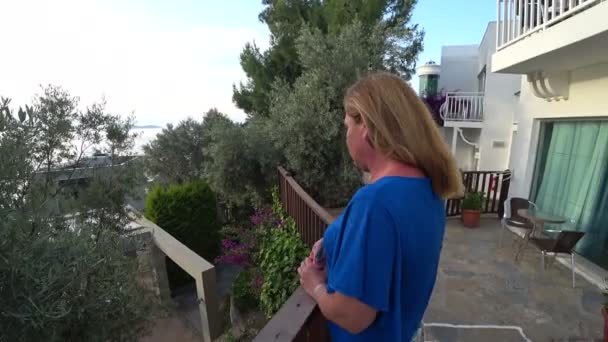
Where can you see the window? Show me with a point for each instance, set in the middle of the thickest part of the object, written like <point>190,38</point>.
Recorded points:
<point>481,80</point>
<point>571,180</point>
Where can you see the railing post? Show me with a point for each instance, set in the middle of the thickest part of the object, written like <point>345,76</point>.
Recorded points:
<point>498,24</point>
<point>507,15</point>
<point>537,10</point>
<point>208,305</point>
<point>159,262</point>
<point>520,17</point>
<point>504,192</point>
<point>526,15</point>
<point>513,18</point>
<point>546,15</point>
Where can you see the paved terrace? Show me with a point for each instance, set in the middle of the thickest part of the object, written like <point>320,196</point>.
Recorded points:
<point>481,295</point>
<point>480,285</point>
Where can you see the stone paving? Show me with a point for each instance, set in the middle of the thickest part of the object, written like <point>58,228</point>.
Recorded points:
<point>480,285</point>
<point>184,322</point>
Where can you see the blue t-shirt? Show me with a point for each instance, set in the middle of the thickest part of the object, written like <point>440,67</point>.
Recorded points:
<point>384,251</point>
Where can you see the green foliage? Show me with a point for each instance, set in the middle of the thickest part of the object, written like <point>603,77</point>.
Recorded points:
<point>473,201</point>
<point>176,155</point>
<point>281,252</point>
<point>286,20</point>
<point>242,162</point>
<point>307,119</point>
<point>188,212</point>
<point>244,292</point>
<point>277,207</point>
<point>60,284</point>
<point>236,160</point>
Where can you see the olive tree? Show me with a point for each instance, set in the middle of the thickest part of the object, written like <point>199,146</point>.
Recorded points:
<point>307,118</point>
<point>65,274</point>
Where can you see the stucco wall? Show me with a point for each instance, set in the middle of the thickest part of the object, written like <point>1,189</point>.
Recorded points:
<point>459,68</point>
<point>588,100</point>
<point>464,153</point>
<point>500,106</point>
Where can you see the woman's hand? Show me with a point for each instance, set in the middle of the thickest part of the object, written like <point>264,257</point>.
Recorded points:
<point>311,276</point>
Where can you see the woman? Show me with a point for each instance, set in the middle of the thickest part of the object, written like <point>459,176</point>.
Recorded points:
<point>382,253</point>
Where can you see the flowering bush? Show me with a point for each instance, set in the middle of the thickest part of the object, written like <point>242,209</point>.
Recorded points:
<point>235,253</point>
<point>241,245</point>
<point>434,103</point>
<point>270,251</point>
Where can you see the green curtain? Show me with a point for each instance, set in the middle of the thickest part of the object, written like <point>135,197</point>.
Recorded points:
<point>572,180</point>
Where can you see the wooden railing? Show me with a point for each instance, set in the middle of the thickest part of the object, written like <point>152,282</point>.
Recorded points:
<point>493,184</point>
<point>311,218</point>
<point>299,319</point>
<point>198,268</point>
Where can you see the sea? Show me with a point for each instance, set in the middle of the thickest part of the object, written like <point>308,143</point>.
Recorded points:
<point>144,136</point>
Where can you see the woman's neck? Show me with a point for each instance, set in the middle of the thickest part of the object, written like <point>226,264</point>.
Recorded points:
<point>394,168</point>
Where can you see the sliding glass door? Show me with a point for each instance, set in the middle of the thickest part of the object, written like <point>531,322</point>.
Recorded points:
<point>571,180</point>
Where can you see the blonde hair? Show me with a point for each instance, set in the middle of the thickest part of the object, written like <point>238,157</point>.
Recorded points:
<point>400,127</point>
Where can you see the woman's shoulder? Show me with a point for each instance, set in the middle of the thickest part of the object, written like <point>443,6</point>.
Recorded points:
<point>394,186</point>
<point>394,192</point>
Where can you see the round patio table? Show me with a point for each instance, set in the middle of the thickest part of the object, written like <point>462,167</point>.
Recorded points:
<point>539,218</point>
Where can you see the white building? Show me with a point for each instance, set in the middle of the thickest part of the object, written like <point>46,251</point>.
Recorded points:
<point>558,49</point>
<point>533,97</point>
<point>479,105</point>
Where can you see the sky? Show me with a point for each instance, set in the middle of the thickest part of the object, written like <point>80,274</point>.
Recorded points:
<point>165,60</point>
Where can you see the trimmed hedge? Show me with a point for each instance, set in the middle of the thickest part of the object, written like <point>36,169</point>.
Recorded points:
<point>188,212</point>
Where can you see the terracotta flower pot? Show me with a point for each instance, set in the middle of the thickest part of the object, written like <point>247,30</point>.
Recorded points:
<point>605,314</point>
<point>470,218</point>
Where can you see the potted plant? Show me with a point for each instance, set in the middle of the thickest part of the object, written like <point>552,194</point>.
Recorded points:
<point>471,209</point>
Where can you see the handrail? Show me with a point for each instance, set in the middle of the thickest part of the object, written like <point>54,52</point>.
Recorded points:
<point>299,319</point>
<point>463,106</point>
<point>518,19</point>
<point>295,321</point>
<point>198,268</point>
<point>310,217</point>
<point>318,209</point>
<point>493,184</point>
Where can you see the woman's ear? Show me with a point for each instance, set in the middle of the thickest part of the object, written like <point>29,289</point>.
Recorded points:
<point>365,133</point>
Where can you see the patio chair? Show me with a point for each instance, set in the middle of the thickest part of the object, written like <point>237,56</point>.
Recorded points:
<point>512,220</point>
<point>564,243</point>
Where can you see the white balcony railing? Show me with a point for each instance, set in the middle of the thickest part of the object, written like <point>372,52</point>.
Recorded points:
<point>518,19</point>
<point>463,107</point>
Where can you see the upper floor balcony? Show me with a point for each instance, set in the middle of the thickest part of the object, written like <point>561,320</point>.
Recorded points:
<point>550,36</point>
<point>463,109</point>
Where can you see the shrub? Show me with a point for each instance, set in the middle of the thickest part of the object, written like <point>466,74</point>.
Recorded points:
<point>67,279</point>
<point>473,201</point>
<point>271,242</point>
<point>281,252</point>
<point>241,245</point>
<point>188,212</point>
<point>235,253</point>
<point>246,289</point>
<point>57,285</point>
